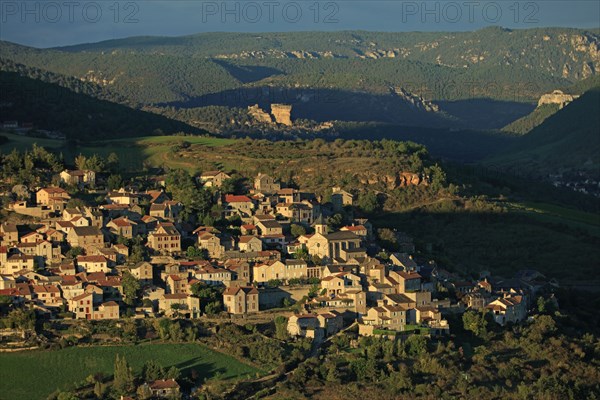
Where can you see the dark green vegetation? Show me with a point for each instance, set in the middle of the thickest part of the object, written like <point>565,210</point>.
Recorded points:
<point>34,375</point>
<point>530,121</point>
<point>79,116</point>
<point>567,142</point>
<point>474,235</point>
<point>546,358</point>
<point>327,75</point>
<point>539,114</point>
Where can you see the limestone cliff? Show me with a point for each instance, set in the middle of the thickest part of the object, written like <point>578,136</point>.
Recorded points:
<point>282,113</point>
<point>259,115</point>
<point>556,97</point>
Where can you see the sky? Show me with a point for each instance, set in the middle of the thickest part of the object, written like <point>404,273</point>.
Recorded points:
<point>49,23</point>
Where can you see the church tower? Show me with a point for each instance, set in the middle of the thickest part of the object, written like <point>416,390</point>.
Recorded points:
<point>320,225</point>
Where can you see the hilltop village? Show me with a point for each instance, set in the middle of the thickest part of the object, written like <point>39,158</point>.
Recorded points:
<point>278,250</point>
<point>272,253</point>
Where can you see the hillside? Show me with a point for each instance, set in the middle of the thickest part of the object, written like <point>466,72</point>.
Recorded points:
<point>566,143</point>
<point>50,106</point>
<point>543,111</point>
<point>491,47</point>
<point>530,121</point>
<point>465,75</point>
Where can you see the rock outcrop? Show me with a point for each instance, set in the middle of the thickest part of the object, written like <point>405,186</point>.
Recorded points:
<point>413,100</point>
<point>282,113</point>
<point>259,114</point>
<point>403,179</point>
<point>557,97</point>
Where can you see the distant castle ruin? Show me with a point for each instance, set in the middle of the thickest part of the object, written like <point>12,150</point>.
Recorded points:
<point>557,97</point>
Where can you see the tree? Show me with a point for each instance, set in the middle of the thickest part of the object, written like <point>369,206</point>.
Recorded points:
<point>66,396</point>
<point>297,230</point>
<point>112,161</point>
<point>475,322</point>
<point>152,371</point>
<point>368,202</point>
<point>74,252</point>
<point>302,254</point>
<point>131,288</point>
<point>123,377</point>
<point>176,307</point>
<point>144,392</point>
<point>196,201</point>
<point>213,308</point>
<point>281,332</point>
<point>22,319</point>
<point>196,253</point>
<point>114,182</point>
<point>5,300</point>
<point>173,373</point>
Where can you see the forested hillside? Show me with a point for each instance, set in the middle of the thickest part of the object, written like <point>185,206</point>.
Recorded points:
<point>566,143</point>
<point>75,113</point>
<point>436,65</point>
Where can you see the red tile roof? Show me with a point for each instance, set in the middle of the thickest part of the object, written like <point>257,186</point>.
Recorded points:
<point>230,198</point>
<point>164,384</point>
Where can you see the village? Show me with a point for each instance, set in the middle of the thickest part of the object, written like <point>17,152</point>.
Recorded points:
<point>283,258</point>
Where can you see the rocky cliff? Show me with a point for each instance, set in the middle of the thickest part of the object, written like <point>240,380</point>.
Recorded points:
<point>557,97</point>
<point>280,114</point>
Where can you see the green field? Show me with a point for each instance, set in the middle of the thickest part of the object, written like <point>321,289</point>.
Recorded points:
<point>558,214</point>
<point>132,152</point>
<point>34,375</point>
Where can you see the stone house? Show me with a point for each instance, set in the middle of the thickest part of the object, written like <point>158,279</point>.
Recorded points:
<point>263,183</point>
<point>78,177</point>
<point>212,243</point>
<point>238,205</point>
<point>508,309</point>
<point>280,270</point>
<point>241,300</point>
<point>181,303</point>
<point>87,237</point>
<point>91,264</point>
<point>54,197</point>
<point>250,243</point>
<point>213,178</point>
<point>123,226</point>
<point>165,238</point>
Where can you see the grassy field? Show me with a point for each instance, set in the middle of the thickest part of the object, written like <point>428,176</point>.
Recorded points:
<point>34,375</point>
<point>556,214</point>
<point>504,242</point>
<point>133,152</point>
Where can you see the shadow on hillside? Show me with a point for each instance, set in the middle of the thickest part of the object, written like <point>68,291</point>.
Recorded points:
<point>503,242</point>
<point>484,113</point>
<point>321,105</point>
<point>325,105</point>
<point>248,73</point>
<point>79,116</point>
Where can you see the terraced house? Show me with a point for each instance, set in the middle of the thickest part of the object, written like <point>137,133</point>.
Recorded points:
<point>165,238</point>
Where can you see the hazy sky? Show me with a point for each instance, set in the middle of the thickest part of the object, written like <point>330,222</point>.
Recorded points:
<point>48,23</point>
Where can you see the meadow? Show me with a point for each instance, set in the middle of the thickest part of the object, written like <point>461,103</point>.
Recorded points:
<point>134,153</point>
<point>32,375</point>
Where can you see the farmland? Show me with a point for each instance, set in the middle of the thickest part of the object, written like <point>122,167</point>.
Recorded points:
<point>35,374</point>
